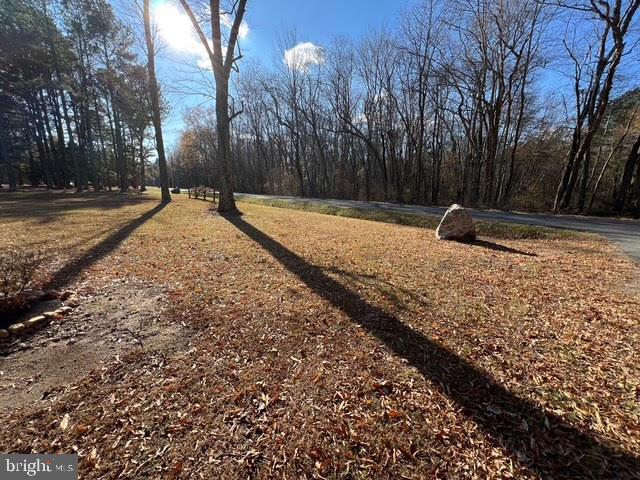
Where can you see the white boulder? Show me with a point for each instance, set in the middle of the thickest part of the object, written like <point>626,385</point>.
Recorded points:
<point>456,224</point>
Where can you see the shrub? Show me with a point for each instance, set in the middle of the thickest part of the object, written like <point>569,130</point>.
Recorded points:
<point>17,269</point>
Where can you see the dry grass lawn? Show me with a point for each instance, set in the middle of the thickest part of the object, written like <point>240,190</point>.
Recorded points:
<point>332,347</point>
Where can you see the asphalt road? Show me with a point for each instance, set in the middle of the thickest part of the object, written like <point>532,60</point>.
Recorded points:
<point>625,233</point>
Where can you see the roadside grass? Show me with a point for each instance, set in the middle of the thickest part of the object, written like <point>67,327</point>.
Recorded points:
<point>331,347</point>
<point>497,230</point>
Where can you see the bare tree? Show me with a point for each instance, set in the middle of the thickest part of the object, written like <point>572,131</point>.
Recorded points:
<point>633,162</point>
<point>613,150</point>
<point>155,105</point>
<point>433,112</point>
<point>222,65</point>
<point>592,87</point>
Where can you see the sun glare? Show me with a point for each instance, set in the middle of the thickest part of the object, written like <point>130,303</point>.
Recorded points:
<point>175,30</point>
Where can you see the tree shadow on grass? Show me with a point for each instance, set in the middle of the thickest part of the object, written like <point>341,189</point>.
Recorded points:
<point>390,291</point>
<point>500,248</point>
<point>72,270</point>
<point>46,207</point>
<point>540,441</point>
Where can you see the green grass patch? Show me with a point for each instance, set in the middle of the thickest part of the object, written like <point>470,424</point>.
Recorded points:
<point>498,230</point>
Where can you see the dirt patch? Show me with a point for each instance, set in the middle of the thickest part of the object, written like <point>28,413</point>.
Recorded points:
<point>117,318</point>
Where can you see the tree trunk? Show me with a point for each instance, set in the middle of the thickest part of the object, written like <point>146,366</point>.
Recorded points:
<point>5,154</point>
<point>75,161</point>
<point>41,143</point>
<point>143,188</point>
<point>155,106</point>
<point>584,180</point>
<point>61,147</point>
<point>221,66</point>
<point>627,175</point>
<point>121,161</point>
<point>227,202</point>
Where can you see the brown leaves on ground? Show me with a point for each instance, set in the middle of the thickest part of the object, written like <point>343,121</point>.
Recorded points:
<point>340,348</point>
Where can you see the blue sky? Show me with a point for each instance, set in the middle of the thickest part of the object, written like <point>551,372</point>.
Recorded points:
<point>267,32</point>
<point>268,23</point>
<point>315,21</point>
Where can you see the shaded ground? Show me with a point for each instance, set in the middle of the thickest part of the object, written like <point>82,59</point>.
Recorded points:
<point>624,232</point>
<point>339,348</point>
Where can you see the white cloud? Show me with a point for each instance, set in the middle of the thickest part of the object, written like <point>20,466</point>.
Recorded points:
<point>303,55</point>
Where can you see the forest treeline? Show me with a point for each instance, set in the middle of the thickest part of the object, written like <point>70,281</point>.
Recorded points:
<point>74,103</point>
<point>504,104</point>
<point>448,106</point>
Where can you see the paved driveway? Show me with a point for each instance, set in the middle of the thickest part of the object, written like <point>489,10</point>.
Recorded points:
<point>625,233</point>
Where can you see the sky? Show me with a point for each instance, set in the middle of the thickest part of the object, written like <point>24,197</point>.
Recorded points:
<point>308,24</point>
<point>277,31</point>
